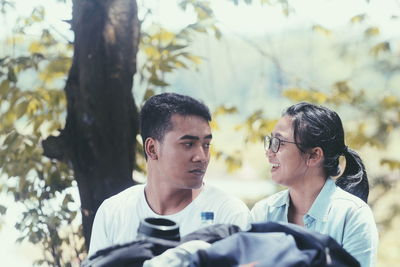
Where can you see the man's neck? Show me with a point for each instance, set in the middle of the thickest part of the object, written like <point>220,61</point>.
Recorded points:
<point>164,200</point>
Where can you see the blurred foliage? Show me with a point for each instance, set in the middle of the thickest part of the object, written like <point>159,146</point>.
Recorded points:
<point>30,111</point>
<point>33,108</point>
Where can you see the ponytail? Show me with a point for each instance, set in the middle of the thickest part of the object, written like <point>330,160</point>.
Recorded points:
<point>354,178</point>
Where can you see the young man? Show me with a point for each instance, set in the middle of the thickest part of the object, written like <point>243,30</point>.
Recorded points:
<point>176,139</point>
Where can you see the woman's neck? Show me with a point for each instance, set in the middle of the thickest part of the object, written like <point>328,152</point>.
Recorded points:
<point>303,196</point>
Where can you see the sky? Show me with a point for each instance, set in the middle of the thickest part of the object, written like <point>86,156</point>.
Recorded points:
<point>251,21</point>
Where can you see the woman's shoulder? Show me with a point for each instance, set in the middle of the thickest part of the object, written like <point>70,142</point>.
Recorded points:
<point>278,199</point>
<point>346,199</point>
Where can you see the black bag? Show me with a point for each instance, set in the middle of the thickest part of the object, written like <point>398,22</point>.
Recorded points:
<point>135,253</point>
<point>265,244</point>
<point>275,244</point>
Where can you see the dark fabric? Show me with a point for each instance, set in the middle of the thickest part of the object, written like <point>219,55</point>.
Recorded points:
<point>261,249</point>
<point>306,239</point>
<point>136,252</point>
<point>265,244</point>
<point>129,254</point>
<point>275,244</point>
<point>212,233</point>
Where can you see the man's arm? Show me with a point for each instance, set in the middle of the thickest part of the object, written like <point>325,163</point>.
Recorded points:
<point>99,238</point>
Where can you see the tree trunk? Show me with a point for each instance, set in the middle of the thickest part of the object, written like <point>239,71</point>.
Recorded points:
<point>98,140</point>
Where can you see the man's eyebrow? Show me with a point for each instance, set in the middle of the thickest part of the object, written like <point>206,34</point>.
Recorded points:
<point>192,137</point>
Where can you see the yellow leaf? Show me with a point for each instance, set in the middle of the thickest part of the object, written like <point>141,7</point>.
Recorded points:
<point>357,18</point>
<point>372,31</point>
<point>33,106</point>
<point>392,164</point>
<point>195,59</point>
<point>391,102</point>
<point>296,94</point>
<point>152,52</point>
<point>214,125</point>
<point>319,97</point>
<point>18,39</point>
<point>162,36</point>
<point>233,163</point>
<point>381,47</point>
<point>321,29</point>
<point>224,109</point>
<point>36,47</point>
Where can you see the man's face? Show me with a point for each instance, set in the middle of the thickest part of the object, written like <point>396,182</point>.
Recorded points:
<point>184,153</point>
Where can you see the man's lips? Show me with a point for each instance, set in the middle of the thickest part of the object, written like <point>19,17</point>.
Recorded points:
<point>198,171</point>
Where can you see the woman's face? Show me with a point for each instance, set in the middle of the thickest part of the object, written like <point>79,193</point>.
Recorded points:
<point>288,163</point>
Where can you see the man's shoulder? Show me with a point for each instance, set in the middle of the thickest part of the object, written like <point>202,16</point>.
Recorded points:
<point>126,196</point>
<point>219,197</point>
<point>212,191</point>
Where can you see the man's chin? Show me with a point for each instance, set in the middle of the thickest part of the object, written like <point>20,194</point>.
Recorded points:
<point>195,185</point>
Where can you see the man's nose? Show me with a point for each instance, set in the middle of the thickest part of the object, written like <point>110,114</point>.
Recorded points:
<point>201,154</point>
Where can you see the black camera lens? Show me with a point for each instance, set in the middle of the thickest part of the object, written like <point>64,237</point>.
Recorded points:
<point>159,228</point>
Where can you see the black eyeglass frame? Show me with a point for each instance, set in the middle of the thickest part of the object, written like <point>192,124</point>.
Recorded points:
<point>268,140</point>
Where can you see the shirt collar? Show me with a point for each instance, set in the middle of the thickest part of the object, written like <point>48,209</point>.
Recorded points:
<point>281,199</point>
<point>320,208</point>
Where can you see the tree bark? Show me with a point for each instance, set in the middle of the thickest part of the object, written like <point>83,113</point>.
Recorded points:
<point>99,137</point>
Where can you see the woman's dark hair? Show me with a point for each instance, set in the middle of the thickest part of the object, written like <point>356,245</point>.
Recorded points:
<point>317,126</point>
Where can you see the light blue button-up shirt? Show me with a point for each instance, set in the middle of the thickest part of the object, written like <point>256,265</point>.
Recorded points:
<point>337,213</point>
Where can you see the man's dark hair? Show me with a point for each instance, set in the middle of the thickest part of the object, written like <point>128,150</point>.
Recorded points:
<point>155,116</point>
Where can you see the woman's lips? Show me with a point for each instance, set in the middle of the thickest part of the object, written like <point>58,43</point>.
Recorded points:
<point>275,166</point>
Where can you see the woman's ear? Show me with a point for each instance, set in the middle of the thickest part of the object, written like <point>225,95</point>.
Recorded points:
<point>150,148</point>
<point>316,156</point>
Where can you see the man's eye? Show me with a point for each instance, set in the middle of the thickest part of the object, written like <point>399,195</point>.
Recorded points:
<point>207,145</point>
<point>188,144</point>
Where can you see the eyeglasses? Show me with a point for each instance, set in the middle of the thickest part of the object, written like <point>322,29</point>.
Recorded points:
<point>274,143</point>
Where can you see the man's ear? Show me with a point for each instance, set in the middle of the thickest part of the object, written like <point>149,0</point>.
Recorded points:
<point>316,156</point>
<point>150,148</point>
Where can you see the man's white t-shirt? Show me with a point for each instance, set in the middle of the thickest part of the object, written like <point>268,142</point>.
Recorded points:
<point>118,217</point>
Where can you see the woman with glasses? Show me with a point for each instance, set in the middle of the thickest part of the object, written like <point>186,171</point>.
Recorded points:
<point>304,150</point>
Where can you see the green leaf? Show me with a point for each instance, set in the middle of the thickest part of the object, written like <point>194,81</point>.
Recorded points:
<point>380,48</point>
<point>67,199</point>
<point>4,88</point>
<point>175,47</point>
<point>11,75</point>
<point>158,82</point>
<point>3,210</point>
<point>21,108</point>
